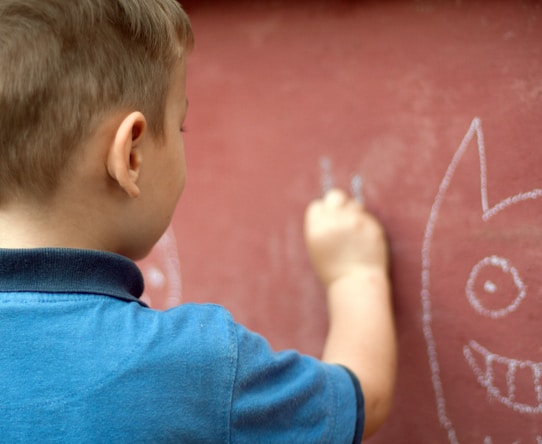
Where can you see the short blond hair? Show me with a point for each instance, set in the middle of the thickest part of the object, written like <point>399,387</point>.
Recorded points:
<point>67,63</point>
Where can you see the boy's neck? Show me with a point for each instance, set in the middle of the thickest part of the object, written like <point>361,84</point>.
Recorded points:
<point>41,226</point>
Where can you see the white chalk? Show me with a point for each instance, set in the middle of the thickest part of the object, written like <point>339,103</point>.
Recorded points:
<point>356,186</point>
<point>326,179</point>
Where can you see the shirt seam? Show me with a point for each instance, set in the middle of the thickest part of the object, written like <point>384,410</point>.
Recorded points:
<point>233,361</point>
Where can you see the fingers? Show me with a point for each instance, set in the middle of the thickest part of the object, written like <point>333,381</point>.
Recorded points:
<point>336,198</point>
<point>341,236</point>
<point>335,201</point>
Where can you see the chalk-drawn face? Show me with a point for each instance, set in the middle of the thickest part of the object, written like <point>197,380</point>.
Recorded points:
<point>482,309</point>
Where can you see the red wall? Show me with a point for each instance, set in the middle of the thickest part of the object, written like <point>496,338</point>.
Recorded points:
<point>437,105</point>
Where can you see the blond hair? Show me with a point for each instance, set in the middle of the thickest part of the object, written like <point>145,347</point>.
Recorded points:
<point>67,63</point>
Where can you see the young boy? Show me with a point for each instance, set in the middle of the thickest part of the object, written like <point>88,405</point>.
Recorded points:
<point>92,103</point>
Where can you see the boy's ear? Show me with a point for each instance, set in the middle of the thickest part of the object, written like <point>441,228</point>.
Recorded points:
<point>125,155</point>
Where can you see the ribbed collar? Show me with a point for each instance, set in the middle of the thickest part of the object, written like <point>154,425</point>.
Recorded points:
<point>59,270</point>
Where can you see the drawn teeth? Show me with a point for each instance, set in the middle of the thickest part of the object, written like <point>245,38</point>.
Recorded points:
<point>501,376</point>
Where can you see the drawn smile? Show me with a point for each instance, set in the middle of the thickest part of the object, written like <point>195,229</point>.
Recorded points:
<point>499,374</point>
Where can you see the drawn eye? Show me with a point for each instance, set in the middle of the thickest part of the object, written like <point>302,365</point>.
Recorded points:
<point>494,288</point>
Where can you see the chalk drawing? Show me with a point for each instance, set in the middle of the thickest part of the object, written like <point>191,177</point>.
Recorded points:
<point>491,288</point>
<point>327,182</point>
<point>326,178</point>
<point>356,187</point>
<point>162,274</point>
<point>474,353</point>
<point>485,376</point>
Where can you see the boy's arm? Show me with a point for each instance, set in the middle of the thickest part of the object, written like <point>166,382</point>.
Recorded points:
<point>348,249</point>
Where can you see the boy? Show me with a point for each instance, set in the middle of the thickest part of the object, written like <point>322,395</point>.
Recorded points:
<point>92,100</point>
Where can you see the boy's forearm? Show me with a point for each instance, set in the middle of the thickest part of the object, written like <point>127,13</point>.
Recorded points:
<point>362,337</point>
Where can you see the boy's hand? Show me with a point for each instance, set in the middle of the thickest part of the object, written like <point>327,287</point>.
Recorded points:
<point>342,238</point>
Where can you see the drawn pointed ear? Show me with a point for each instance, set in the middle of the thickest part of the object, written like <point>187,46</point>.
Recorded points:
<point>125,156</point>
<point>468,170</point>
<point>476,126</point>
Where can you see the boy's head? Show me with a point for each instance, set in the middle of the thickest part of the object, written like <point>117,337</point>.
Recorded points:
<point>66,65</point>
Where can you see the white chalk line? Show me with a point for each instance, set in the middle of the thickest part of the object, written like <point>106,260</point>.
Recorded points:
<point>326,178</point>
<point>505,267</point>
<point>486,378</point>
<point>487,212</point>
<point>327,181</point>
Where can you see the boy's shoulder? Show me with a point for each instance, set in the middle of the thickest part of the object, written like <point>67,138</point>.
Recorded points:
<point>193,361</point>
<point>200,326</point>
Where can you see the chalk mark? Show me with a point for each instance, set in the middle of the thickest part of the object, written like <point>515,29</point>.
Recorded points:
<point>491,287</point>
<point>356,187</point>
<point>326,178</point>
<point>327,181</point>
<point>475,130</point>
<point>486,377</point>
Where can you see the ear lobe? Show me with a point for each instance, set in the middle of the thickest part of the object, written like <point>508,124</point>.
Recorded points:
<point>124,157</point>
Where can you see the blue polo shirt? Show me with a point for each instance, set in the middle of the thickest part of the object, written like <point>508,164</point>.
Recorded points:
<point>84,360</point>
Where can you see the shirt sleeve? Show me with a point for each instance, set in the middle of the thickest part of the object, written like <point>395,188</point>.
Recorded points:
<point>360,403</point>
<point>289,397</point>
